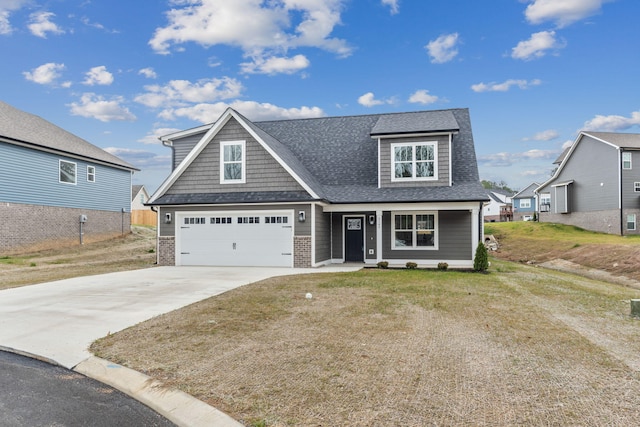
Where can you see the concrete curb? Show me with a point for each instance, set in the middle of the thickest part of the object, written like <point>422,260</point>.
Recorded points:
<point>176,406</point>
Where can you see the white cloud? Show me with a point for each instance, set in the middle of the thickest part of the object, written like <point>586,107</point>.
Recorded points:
<point>443,49</point>
<point>98,76</point>
<point>368,100</point>
<point>393,5</point>
<point>536,46</point>
<point>44,74</point>
<point>141,159</point>
<point>567,144</point>
<point>207,113</point>
<point>95,106</point>
<point>148,73</point>
<point>504,86</point>
<point>545,135</point>
<point>40,24</point>
<point>153,136</point>
<point>254,26</point>
<point>275,65</point>
<point>5,25</point>
<point>562,12</point>
<point>181,92</point>
<point>6,7</point>
<point>612,123</point>
<point>423,97</point>
<point>505,159</point>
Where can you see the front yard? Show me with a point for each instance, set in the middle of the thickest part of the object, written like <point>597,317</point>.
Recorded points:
<point>519,346</point>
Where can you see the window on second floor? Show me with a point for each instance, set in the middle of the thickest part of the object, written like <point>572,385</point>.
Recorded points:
<point>414,161</point>
<point>67,172</point>
<point>232,162</point>
<point>91,174</point>
<point>626,160</point>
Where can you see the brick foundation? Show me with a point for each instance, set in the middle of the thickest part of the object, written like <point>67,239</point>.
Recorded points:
<point>166,250</point>
<point>302,251</point>
<point>32,227</point>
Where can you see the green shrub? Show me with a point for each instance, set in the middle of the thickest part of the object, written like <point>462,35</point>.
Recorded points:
<point>443,266</point>
<point>411,265</point>
<point>481,259</point>
<point>383,264</point>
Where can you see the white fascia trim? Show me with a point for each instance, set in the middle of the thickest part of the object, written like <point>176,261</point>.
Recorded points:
<point>193,154</point>
<point>183,133</point>
<point>313,233</point>
<point>601,140</point>
<point>564,162</point>
<point>275,156</point>
<point>402,206</point>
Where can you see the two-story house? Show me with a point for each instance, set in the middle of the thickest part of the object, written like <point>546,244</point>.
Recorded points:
<point>310,192</point>
<point>499,208</point>
<point>525,203</point>
<point>597,185</point>
<point>57,189</point>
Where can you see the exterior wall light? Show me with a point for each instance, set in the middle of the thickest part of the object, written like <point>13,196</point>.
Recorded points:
<point>372,219</point>
<point>302,216</point>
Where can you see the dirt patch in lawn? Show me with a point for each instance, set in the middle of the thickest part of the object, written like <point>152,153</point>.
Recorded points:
<point>520,346</point>
<point>134,250</point>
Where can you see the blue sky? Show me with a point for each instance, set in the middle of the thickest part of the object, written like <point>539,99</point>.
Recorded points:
<point>121,73</point>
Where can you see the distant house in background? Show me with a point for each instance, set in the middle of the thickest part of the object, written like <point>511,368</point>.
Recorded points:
<point>525,203</point>
<point>499,207</point>
<point>56,186</point>
<point>597,185</point>
<point>141,214</point>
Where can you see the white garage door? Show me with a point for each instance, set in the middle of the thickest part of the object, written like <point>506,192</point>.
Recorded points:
<point>249,238</point>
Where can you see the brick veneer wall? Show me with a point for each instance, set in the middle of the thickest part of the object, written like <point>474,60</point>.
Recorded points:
<point>302,251</point>
<point>166,250</point>
<point>33,227</point>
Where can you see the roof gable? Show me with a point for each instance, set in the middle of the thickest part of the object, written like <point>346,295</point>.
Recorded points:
<point>35,132</point>
<point>527,192</point>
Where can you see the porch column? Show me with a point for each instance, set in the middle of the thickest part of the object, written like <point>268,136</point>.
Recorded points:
<point>475,231</point>
<point>378,236</point>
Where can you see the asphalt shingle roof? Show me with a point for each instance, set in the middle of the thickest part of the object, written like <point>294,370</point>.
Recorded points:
<point>35,131</point>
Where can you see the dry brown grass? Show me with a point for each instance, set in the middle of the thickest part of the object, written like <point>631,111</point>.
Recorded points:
<point>519,346</point>
<point>133,251</point>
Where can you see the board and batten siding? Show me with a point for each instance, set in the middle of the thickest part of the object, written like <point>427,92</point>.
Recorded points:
<point>32,177</point>
<point>454,239</point>
<point>263,172</point>
<point>386,163</point>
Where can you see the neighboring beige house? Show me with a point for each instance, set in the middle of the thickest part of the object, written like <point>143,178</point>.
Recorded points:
<point>141,214</point>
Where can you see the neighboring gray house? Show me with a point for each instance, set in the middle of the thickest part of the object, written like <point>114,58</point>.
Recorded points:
<point>309,192</point>
<point>597,185</point>
<point>525,203</point>
<point>51,179</point>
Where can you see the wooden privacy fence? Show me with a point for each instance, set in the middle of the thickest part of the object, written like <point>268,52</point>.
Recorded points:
<point>144,217</point>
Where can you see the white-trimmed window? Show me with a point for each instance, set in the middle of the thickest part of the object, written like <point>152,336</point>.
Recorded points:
<point>525,203</point>
<point>631,222</point>
<point>414,161</point>
<point>626,160</point>
<point>232,162</point>
<point>636,187</point>
<point>414,230</point>
<point>67,172</point>
<point>91,174</point>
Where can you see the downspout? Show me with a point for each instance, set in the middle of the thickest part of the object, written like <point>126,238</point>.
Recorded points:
<point>154,209</point>
<point>621,203</point>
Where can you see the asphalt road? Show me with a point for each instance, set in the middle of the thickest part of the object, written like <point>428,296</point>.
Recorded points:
<point>35,393</point>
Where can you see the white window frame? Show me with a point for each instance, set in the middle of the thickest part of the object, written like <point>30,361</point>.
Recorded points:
<point>413,146</point>
<point>633,222</point>
<point>636,187</point>
<point>75,172</point>
<point>414,246</point>
<point>242,162</point>
<point>626,158</point>
<point>525,203</point>
<point>91,174</point>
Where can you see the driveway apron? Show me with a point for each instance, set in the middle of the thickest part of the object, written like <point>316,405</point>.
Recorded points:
<point>59,320</point>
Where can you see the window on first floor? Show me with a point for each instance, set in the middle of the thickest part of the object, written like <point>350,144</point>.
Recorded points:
<point>631,222</point>
<point>525,203</point>
<point>636,187</point>
<point>67,172</point>
<point>414,230</point>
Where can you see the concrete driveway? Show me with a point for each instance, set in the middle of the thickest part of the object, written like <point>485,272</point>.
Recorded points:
<point>59,320</point>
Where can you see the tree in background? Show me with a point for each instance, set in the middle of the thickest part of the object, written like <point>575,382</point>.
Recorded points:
<point>490,185</point>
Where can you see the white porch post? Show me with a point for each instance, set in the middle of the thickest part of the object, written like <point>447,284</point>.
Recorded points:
<point>378,236</point>
<point>475,230</point>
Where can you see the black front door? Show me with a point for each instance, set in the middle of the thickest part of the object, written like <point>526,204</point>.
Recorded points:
<point>354,239</point>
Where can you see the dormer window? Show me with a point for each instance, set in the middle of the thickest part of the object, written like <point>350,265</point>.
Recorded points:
<point>232,162</point>
<point>415,161</point>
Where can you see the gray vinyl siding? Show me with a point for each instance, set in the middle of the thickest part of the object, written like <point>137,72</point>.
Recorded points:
<point>593,167</point>
<point>443,162</point>
<point>337,234</point>
<point>454,229</point>
<point>337,249</point>
<point>323,235</point>
<point>263,172</point>
<point>562,197</point>
<point>32,177</point>
<point>182,147</point>
<point>299,228</point>
<point>630,197</point>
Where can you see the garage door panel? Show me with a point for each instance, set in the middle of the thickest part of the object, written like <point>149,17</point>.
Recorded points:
<point>256,238</point>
